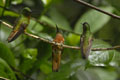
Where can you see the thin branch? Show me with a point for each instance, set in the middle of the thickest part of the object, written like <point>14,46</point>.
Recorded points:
<point>96,8</point>
<point>103,49</point>
<point>3,78</point>
<point>65,46</point>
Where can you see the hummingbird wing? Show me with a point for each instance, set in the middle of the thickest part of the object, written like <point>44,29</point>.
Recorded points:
<point>81,46</point>
<point>15,33</point>
<point>85,46</point>
<point>88,49</point>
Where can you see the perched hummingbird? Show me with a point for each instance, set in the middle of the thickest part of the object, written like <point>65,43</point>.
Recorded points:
<point>86,41</point>
<point>20,25</point>
<point>57,51</point>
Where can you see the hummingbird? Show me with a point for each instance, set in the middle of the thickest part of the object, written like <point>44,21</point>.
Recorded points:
<point>20,24</point>
<point>86,41</point>
<point>57,51</point>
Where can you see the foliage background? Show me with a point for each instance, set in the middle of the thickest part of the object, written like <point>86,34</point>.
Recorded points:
<point>33,57</point>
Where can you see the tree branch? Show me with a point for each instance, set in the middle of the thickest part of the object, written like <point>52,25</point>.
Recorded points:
<point>96,8</point>
<point>2,78</point>
<point>65,46</point>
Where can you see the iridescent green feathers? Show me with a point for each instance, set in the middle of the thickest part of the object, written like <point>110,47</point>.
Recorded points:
<point>86,41</point>
<point>20,25</point>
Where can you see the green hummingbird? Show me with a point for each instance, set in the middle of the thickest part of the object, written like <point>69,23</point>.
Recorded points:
<point>86,41</point>
<point>20,25</point>
<point>57,51</point>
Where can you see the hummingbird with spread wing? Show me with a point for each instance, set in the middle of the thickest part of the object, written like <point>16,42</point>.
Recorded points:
<point>20,25</point>
<point>86,41</point>
<point>57,51</point>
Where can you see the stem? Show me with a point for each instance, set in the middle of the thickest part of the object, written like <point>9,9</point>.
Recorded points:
<point>96,8</point>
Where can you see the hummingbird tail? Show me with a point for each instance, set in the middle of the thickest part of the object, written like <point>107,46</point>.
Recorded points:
<point>56,58</point>
<point>14,35</point>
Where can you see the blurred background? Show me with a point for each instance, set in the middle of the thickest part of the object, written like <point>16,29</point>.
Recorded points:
<point>27,57</point>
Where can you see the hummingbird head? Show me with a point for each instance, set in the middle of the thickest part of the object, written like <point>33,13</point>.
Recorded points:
<point>26,11</point>
<point>86,27</point>
<point>59,37</point>
<point>58,30</point>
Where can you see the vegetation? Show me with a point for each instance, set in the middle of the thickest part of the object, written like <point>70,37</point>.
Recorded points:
<point>28,58</point>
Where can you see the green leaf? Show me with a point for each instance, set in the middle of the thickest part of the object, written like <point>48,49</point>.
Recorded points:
<point>28,59</point>
<point>115,3</point>
<point>46,2</point>
<point>95,19</point>
<point>104,74</point>
<point>15,2</point>
<point>48,20</point>
<point>1,9</point>
<point>46,67</point>
<point>46,36</point>
<point>10,13</point>
<point>6,54</point>
<point>73,39</point>
<point>59,19</point>
<point>66,70</point>
<point>6,71</point>
<point>101,58</point>
<point>34,27</point>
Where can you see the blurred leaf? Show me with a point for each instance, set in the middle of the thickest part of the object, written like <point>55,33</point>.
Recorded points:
<point>11,13</point>
<point>62,23</point>
<point>15,2</point>
<point>8,3</point>
<point>34,27</point>
<point>116,59</point>
<point>46,36</point>
<point>104,74</point>
<point>66,70</point>
<point>6,71</point>
<point>73,39</point>
<point>95,19</point>
<point>115,3</point>
<point>59,19</point>
<point>88,74</point>
<point>43,56</point>
<point>101,58</point>
<point>46,67</point>
<point>28,59</point>
<point>6,54</point>
<point>48,20</point>
<point>46,2</point>
<point>1,9</point>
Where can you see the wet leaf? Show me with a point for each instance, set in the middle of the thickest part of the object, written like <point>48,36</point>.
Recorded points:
<point>101,58</point>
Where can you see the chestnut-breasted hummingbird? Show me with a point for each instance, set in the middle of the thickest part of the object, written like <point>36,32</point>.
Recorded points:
<point>57,51</point>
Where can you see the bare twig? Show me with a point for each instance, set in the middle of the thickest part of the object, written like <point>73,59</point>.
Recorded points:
<point>2,78</point>
<point>65,46</point>
<point>96,8</point>
<point>103,49</point>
